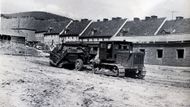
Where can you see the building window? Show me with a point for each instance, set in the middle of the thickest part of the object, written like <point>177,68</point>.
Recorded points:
<point>66,30</point>
<point>92,33</point>
<point>180,53</point>
<point>52,42</point>
<point>121,34</point>
<point>142,50</point>
<point>95,49</point>
<point>124,32</point>
<point>119,46</point>
<point>50,29</point>
<point>125,47</point>
<point>159,53</point>
<point>9,38</point>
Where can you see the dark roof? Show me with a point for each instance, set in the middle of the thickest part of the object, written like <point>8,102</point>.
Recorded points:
<point>141,27</point>
<point>176,27</point>
<point>11,32</point>
<point>103,29</point>
<point>75,28</point>
<point>55,27</point>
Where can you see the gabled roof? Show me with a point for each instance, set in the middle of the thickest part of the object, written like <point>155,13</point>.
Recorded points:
<point>76,28</point>
<point>55,27</point>
<point>103,29</point>
<point>141,27</point>
<point>178,26</point>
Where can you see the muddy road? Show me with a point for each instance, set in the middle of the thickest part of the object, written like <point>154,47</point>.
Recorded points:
<point>31,82</point>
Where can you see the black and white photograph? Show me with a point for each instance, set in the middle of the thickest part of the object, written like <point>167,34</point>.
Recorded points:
<point>95,53</point>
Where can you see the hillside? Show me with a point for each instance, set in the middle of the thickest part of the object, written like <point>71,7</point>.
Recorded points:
<point>38,15</point>
<point>38,21</point>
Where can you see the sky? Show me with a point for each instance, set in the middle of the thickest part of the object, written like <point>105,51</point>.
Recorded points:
<point>99,9</point>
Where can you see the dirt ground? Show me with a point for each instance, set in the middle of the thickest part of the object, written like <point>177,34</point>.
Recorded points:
<point>31,82</point>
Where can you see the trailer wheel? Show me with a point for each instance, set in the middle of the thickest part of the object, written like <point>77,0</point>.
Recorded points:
<point>140,75</point>
<point>78,64</point>
<point>60,65</point>
<point>51,64</point>
<point>115,70</point>
<point>96,70</point>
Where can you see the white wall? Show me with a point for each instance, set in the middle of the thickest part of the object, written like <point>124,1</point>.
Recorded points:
<point>29,34</point>
<point>70,38</point>
<point>49,38</point>
<point>40,37</point>
<point>95,39</point>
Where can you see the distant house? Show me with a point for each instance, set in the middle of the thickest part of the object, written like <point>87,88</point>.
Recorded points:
<point>11,36</point>
<point>19,26</point>
<point>51,37</point>
<point>43,27</point>
<point>28,33</point>
<point>40,36</point>
<point>102,30</point>
<point>164,42</point>
<point>75,30</point>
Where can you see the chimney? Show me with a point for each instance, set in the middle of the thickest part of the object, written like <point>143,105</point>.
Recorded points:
<point>154,17</point>
<point>50,29</point>
<point>147,18</point>
<point>84,20</point>
<point>76,21</point>
<point>179,17</point>
<point>105,19</point>
<point>136,19</point>
<point>116,18</point>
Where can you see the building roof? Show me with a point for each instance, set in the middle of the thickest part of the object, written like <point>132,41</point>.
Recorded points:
<point>76,28</point>
<point>139,27</point>
<point>12,33</point>
<point>103,29</point>
<point>157,38</point>
<point>55,27</point>
<point>178,26</point>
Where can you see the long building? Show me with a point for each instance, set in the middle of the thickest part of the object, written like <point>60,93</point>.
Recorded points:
<point>165,42</point>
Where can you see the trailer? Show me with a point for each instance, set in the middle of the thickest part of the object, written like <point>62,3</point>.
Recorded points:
<point>113,58</point>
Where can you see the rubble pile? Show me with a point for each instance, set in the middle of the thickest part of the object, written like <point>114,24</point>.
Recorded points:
<point>20,49</point>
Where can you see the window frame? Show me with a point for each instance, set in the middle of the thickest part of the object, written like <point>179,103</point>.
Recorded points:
<point>178,55</point>
<point>157,51</point>
<point>144,51</point>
